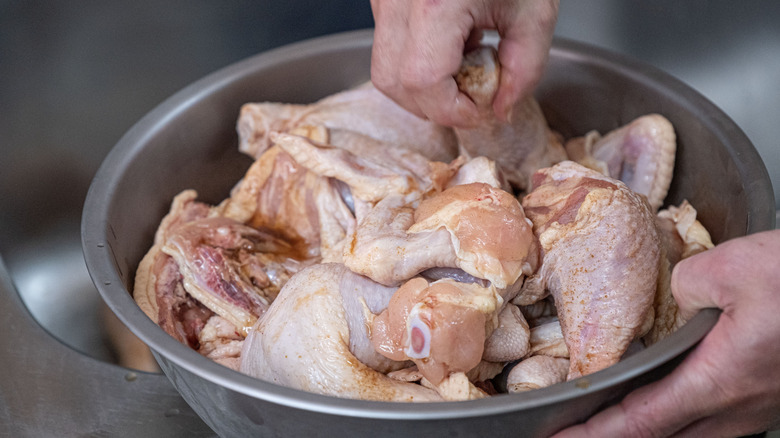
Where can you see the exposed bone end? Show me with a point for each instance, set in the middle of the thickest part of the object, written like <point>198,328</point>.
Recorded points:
<point>442,326</point>
<point>418,334</point>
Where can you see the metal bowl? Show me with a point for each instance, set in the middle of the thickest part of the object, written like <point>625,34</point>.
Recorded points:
<point>189,141</point>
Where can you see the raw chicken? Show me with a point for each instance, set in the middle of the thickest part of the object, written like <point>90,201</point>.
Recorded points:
<point>441,326</point>
<point>601,259</point>
<point>684,236</point>
<point>475,227</point>
<point>537,372</point>
<point>234,270</point>
<point>481,170</point>
<point>313,338</point>
<point>373,173</point>
<point>158,288</point>
<point>510,341</point>
<point>363,111</point>
<point>547,339</point>
<point>641,154</point>
<point>522,145</point>
<point>383,249</point>
<point>221,342</point>
<point>361,254</point>
<point>490,234</point>
<point>304,208</point>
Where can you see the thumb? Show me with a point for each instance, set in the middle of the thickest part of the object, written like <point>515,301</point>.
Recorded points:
<point>735,270</point>
<point>691,284</point>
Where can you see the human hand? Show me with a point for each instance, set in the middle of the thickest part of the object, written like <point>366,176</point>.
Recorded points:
<point>418,47</point>
<point>729,385</point>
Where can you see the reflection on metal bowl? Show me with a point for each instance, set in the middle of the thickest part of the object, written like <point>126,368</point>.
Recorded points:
<point>190,142</point>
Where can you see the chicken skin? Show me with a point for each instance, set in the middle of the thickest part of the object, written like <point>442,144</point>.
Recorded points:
<point>601,258</point>
<point>348,117</point>
<point>641,154</point>
<point>314,338</point>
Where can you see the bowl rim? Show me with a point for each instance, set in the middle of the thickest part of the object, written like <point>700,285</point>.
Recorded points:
<point>98,254</point>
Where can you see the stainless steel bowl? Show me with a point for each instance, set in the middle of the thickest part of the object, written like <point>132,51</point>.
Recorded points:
<point>189,141</point>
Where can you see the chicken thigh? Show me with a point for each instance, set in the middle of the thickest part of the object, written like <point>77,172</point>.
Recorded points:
<point>475,227</point>
<point>601,260</point>
<point>441,326</point>
<point>314,338</point>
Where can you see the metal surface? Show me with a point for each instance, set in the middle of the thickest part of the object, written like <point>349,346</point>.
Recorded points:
<point>49,389</point>
<point>718,170</point>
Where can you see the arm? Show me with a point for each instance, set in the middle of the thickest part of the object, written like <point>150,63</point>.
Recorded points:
<point>419,44</point>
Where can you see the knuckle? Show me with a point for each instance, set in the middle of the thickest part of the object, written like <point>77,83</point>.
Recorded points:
<point>381,79</point>
<point>636,426</point>
<point>414,81</point>
<point>416,77</point>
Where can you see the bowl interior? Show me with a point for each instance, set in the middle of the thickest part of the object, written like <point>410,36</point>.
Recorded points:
<point>190,141</point>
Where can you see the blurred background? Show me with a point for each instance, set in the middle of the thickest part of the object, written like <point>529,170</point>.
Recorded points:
<point>74,76</point>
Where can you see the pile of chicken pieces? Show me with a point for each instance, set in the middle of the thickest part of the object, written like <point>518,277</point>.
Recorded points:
<point>374,255</point>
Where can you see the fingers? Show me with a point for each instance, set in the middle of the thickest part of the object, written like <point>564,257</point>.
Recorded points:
<point>732,272</point>
<point>418,47</point>
<point>692,282</point>
<point>658,409</point>
<point>523,52</point>
<point>721,389</point>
